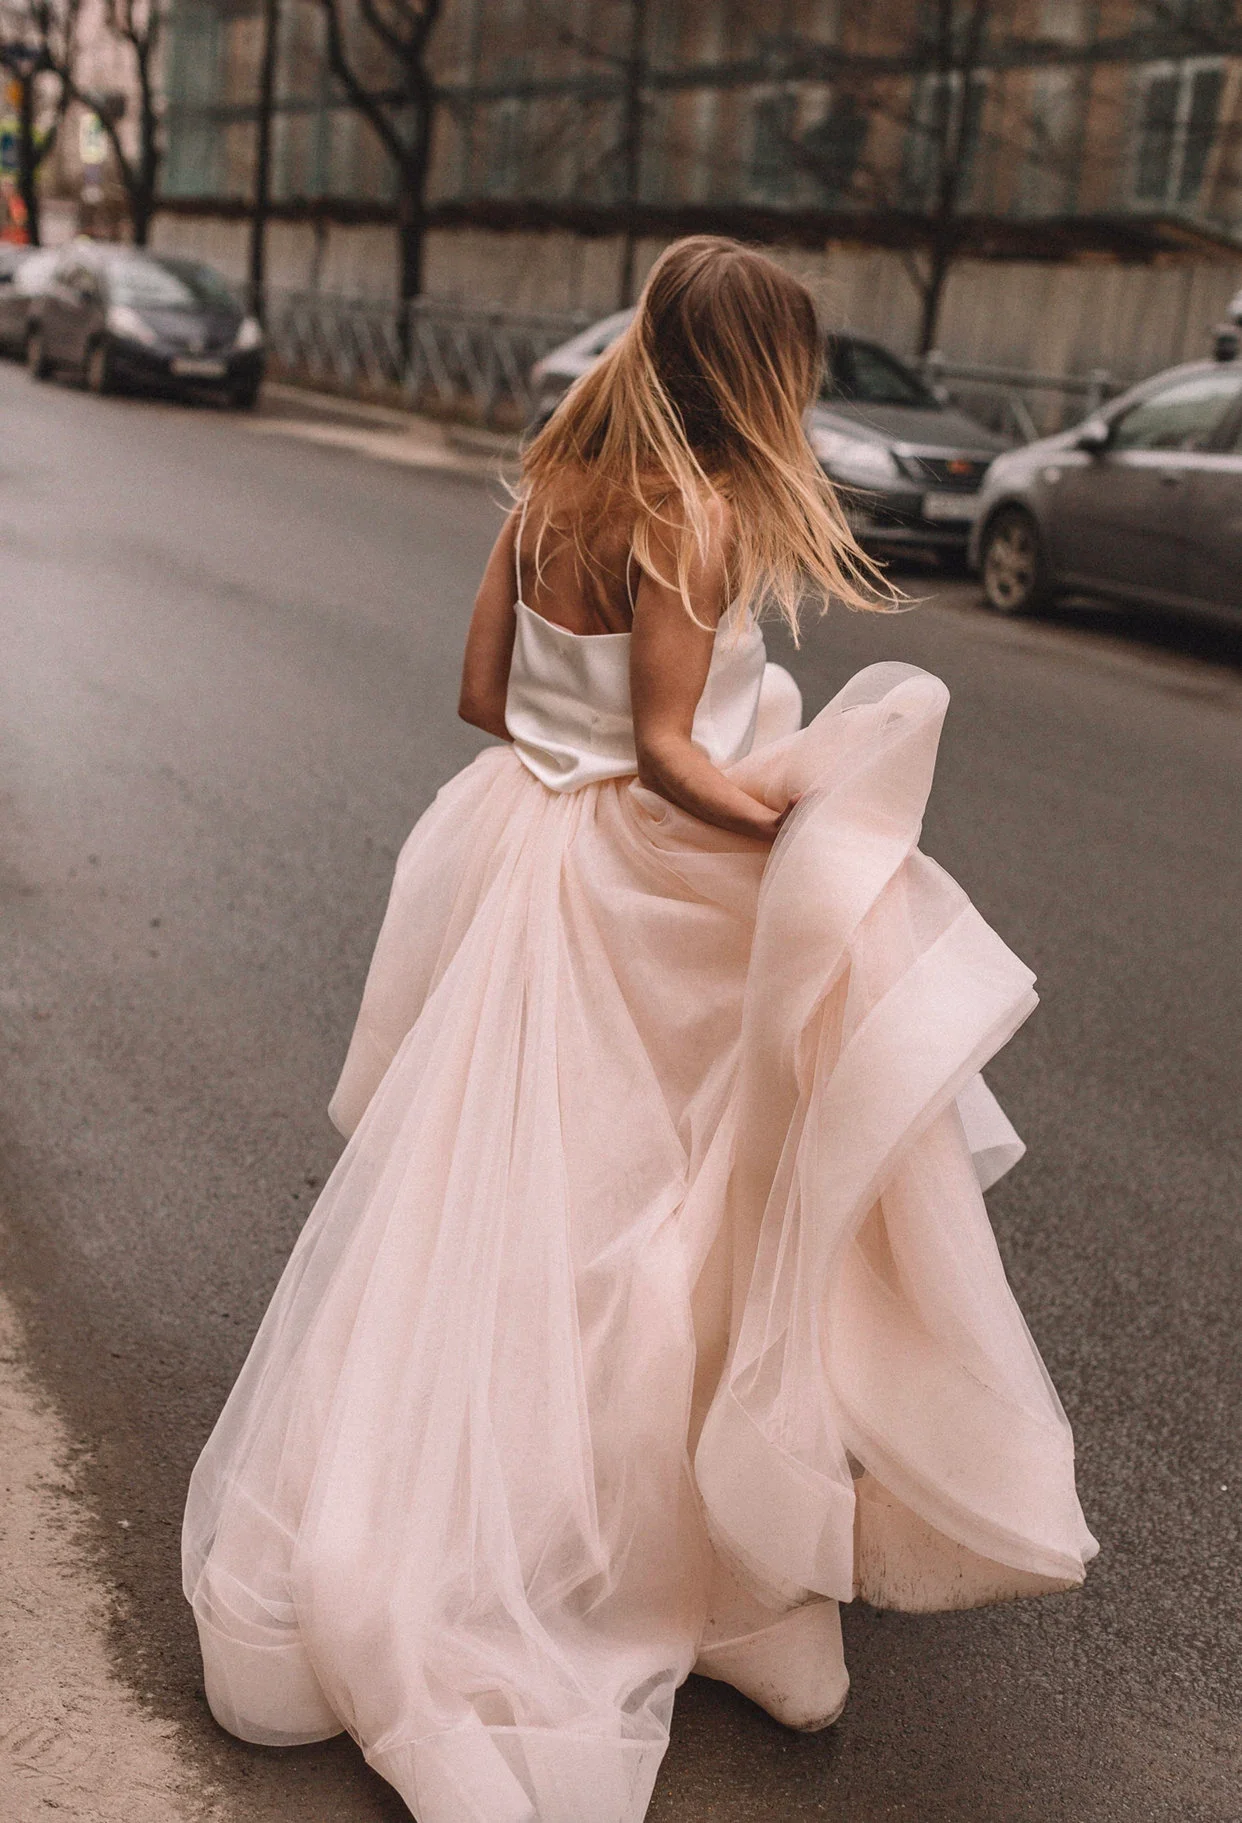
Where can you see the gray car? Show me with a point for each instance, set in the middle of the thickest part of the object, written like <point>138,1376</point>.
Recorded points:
<point>908,462</point>
<point>1141,503</point>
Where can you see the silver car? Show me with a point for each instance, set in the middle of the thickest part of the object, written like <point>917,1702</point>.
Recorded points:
<point>24,275</point>
<point>1141,503</point>
<point>552,377</point>
<point>909,463</point>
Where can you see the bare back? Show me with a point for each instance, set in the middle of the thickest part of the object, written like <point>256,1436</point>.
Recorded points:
<point>669,651</point>
<point>585,599</point>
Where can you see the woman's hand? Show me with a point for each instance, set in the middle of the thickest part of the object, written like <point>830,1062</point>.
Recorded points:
<point>782,817</point>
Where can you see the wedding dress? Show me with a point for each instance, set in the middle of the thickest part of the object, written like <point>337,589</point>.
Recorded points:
<point>652,1309</point>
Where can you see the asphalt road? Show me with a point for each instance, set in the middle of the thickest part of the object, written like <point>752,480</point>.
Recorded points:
<point>227,684</point>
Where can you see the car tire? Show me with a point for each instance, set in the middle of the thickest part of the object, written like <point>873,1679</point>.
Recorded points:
<point>37,364</point>
<point>97,370</point>
<point>1012,564</point>
<point>245,395</point>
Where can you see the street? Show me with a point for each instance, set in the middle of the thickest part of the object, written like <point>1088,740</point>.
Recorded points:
<point>228,689</point>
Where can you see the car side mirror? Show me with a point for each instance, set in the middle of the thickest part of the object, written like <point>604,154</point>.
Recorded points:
<point>1094,436</point>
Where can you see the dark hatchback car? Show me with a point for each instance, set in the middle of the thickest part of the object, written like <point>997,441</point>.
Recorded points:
<point>23,273</point>
<point>124,318</point>
<point>909,464</point>
<point>1141,503</point>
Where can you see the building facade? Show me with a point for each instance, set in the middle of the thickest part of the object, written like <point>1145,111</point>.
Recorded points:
<point>1040,134</point>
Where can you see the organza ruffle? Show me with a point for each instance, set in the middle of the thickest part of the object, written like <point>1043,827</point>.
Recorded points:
<point>652,1306</point>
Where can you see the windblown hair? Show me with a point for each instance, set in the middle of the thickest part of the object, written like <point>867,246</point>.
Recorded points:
<point>702,398</point>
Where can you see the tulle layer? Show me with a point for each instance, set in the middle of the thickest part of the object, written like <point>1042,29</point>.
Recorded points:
<point>652,1307</point>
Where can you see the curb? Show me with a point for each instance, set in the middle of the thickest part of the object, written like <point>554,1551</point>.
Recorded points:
<point>468,439</point>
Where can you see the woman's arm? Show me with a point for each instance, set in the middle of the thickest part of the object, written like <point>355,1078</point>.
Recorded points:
<point>489,643</point>
<point>669,661</point>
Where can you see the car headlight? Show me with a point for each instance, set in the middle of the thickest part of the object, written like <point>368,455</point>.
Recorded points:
<point>853,459</point>
<point>125,322</point>
<point>249,335</point>
<point>1011,465</point>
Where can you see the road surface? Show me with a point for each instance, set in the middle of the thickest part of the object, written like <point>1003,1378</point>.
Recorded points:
<point>227,690</point>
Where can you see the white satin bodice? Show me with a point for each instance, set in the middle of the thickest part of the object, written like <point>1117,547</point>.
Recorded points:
<point>568,703</point>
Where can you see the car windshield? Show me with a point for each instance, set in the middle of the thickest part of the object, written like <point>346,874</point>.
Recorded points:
<point>601,336</point>
<point>1182,416</point>
<point>861,374</point>
<point>149,284</point>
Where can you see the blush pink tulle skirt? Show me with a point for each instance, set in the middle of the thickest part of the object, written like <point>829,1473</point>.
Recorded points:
<point>652,1309</point>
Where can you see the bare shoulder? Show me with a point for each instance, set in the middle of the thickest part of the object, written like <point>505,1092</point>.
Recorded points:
<point>712,519</point>
<point>685,550</point>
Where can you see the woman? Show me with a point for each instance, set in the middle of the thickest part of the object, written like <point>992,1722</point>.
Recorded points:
<point>652,1309</point>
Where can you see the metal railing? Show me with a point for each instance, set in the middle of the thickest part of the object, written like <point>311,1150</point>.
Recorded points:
<point>471,364</point>
<point>1021,404</point>
<point>435,356</point>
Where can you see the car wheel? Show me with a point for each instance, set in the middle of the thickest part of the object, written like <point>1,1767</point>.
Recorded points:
<point>244,396</point>
<point>98,369</point>
<point>37,364</point>
<point>1012,564</point>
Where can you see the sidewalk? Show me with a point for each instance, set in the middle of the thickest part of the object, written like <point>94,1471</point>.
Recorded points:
<point>75,1743</point>
<point>386,434</point>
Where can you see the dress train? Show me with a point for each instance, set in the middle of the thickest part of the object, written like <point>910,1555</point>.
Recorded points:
<point>652,1309</point>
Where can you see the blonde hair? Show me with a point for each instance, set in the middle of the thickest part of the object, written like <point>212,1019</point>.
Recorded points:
<point>702,397</point>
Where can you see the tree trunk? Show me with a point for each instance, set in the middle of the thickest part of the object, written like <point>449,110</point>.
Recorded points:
<point>412,177</point>
<point>632,148</point>
<point>411,234</point>
<point>263,160</point>
<point>941,262</point>
<point>141,210</point>
<point>27,159</point>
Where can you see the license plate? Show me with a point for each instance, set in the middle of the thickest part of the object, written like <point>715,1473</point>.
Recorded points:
<point>950,506</point>
<point>190,368</point>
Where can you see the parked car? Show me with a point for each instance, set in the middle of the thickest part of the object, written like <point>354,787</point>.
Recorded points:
<point>1141,503</point>
<point>11,256</point>
<point>908,461</point>
<point>121,317</point>
<point>552,377</point>
<point>23,273</point>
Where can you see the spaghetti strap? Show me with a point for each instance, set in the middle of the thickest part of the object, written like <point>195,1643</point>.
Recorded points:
<point>517,547</point>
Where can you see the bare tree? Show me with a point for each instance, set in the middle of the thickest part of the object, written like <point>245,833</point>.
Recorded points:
<point>260,205</point>
<point>633,74</point>
<point>944,123</point>
<point>378,52</point>
<point>931,92</point>
<point>24,55</point>
<point>138,25</point>
<point>938,117</point>
<point>627,62</point>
